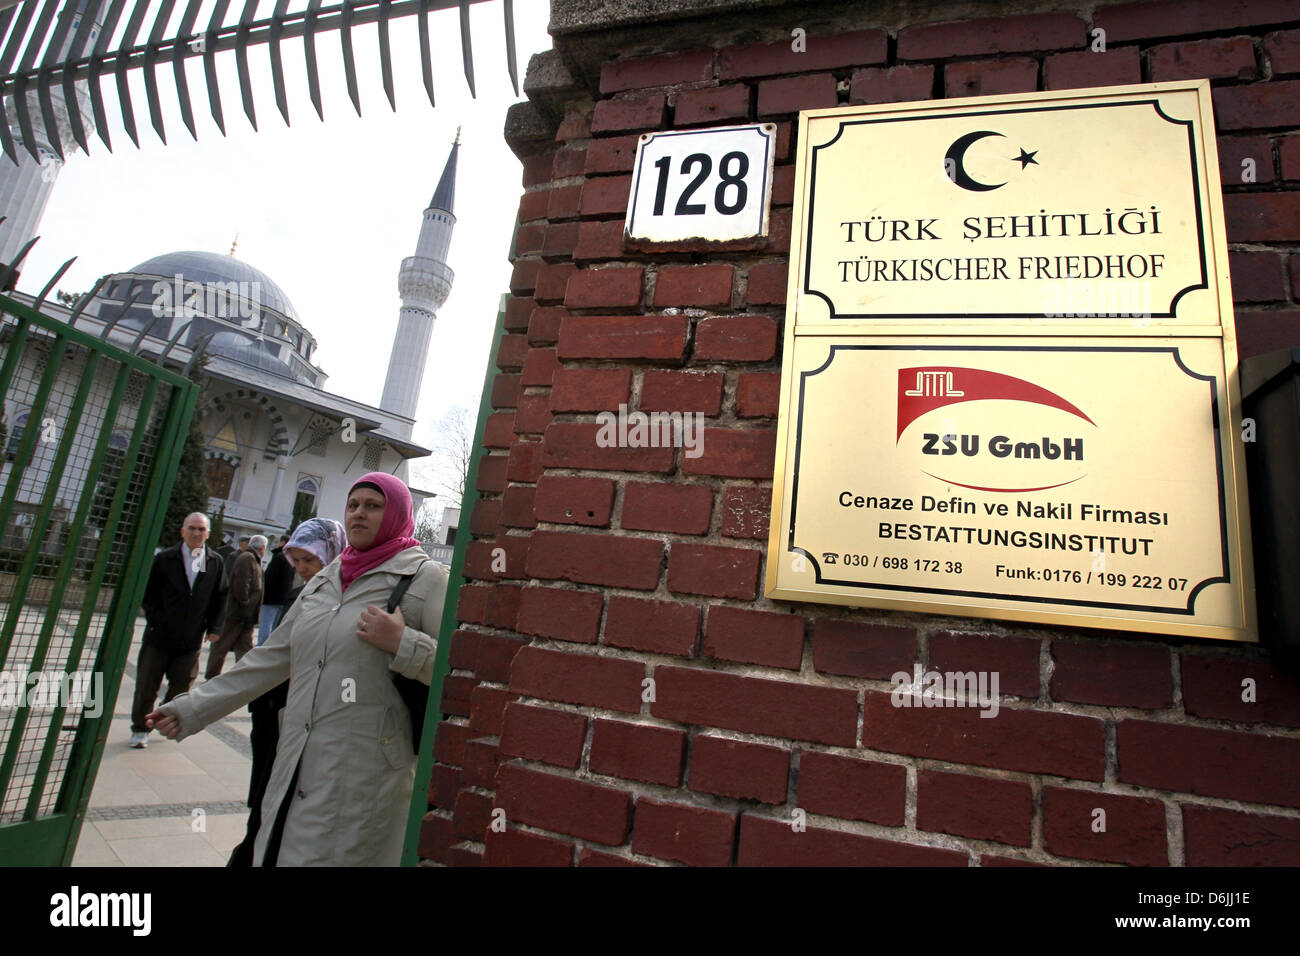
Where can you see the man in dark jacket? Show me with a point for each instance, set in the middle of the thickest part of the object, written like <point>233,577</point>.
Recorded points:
<point>243,604</point>
<point>184,599</point>
<point>277,581</point>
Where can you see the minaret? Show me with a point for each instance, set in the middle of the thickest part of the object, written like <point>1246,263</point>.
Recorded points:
<point>25,189</point>
<point>424,282</point>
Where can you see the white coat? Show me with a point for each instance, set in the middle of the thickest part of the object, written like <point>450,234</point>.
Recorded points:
<point>344,719</point>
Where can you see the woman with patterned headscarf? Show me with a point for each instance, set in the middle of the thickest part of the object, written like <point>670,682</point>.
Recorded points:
<point>314,543</point>
<point>345,764</point>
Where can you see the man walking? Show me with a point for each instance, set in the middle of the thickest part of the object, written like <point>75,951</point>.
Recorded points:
<point>185,598</point>
<point>243,603</point>
<point>276,583</point>
<point>234,553</point>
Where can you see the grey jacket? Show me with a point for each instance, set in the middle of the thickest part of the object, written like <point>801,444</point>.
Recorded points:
<point>344,720</point>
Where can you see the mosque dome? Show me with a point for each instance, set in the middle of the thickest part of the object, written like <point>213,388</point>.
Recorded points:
<point>211,267</point>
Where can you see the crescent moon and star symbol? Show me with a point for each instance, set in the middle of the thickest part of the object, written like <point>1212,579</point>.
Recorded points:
<point>955,158</point>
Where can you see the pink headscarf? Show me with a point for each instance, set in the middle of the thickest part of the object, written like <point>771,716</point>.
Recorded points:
<point>394,529</point>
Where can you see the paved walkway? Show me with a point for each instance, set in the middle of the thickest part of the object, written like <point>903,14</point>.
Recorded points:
<point>171,804</point>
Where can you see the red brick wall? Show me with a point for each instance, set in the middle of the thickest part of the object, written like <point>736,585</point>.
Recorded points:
<point>634,569</point>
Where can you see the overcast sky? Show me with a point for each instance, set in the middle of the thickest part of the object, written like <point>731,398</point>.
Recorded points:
<point>327,209</point>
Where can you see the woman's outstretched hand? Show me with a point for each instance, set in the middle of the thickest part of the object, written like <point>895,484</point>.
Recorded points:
<point>381,629</point>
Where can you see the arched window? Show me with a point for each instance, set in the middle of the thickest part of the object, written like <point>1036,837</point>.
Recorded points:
<point>221,477</point>
<point>304,503</point>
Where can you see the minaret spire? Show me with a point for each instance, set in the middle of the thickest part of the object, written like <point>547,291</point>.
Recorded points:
<point>424,282</point>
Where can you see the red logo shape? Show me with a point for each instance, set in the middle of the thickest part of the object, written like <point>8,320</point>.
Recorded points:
<point>924,389</point>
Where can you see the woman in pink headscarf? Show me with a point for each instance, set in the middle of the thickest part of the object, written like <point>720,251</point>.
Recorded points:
<point>345,764</point>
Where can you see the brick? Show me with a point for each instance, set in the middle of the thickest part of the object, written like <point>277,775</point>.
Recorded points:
<point>783,186</point>
<point>511,351</point>
<point>658,627</point>
<point>617,116</point>
<point>1134,833</point>
<point>590,389</point>
<point>584,501</point>
<point>1262,217</point>
<point>464,648</point>
<point>444,784</point>
<point>518,507</point>
<point>564,805</point>
<point>661,70</point>
<point>472,815</point>
<point>794,93</point>
<point>767,283</point>
<point>472,604</point>
<point>481,761</point>
<point>1283,51</point>
<point>559,240</point>
<point>575,445</point>
<point>895,84</point>
<point>533,205</point>
<point>449,743</point>
<point>605,288</point>
<point>707,286</point>
<point>544,325</point>
<point>1142,21</point>
<point>1258,105</point>
<point>713,571</point>
<point>575,125</point>
<point>1014,34</point>
<point>637,752</point>
<point>529,239</point>
<point>988,77</point>
<point>820,53</point>
<point>493,656</point>
<point>1215,837</point>
<point>754,637</point>
<point>779,230</point>
<point>1082,69</point>
<point>1015,659</point>
<point>736,338</point>
<point>499,432</point>
<point>758,394</point>
<point>977,807</point>
<point>614,154</point>
<point>1215,763</point>
<point>1289,153</point>
<point>503,603</point>
<point>505,390</point>
<point>681,392</point>
<point>515,848</point>
<point>485,519</point>
<point>605,196</point>
<point>1234,150</point>
<point>826,715</point>
<point>1231,57</point>
<point>734,453</point>
<point>435,837</point>
<point>491,478</point>
<point>460,855</point>
<point>1031,741</point>
<point>525,461</point>
<point>523,275</point>
<point>852,789</point>
<point>478,561</point>
<point>578,679</point>
<point>673,508</point>
<point>661,337</point>
<point>687,834</point>
<point>589,857</point>
<point>737,768</point>
<point>543,734</point>
<point>599,240</point>
<point>564,202</point>
<point>560,613</point>
<point>596,559</point>
<point>862,649</point>
<point>765,841</point>
<point>533,414</point>
<point>1112,675</point>
<point>1212,688</point>
<point>552,280</point>
<point>1260,332</point>
<point>518,309</point>
<point>570,161</point>
<point>538,368</point>
<point>745,511</point>
<point>730,102</point>
<point>487,708</point>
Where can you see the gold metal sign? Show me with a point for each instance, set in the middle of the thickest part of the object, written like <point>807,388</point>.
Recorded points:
<point>1009,384</point>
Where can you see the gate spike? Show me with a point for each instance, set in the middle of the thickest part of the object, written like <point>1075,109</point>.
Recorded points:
<point>210,63</point>
<point>185,36</point>
<point>277,64</point>
<point>151,66</point>
<point>121,314</point>
<point>241,60</point>
<point>98,61</point>
<point>309,52</point>
<point>385,52</point>
<point>349,64</point>
<point>465,52</point>
<point>6,137</point>
<point>69,81</point>
<point>511,65</point>
<point>426,61</point>
<point>11,270</point>
<point>24,116</point>
<point>85,300</point>
<point>50,285</point>
<point>46,76</point>
<point>123,61</point>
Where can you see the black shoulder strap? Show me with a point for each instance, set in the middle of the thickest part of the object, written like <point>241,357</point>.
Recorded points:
<point>399,591</point>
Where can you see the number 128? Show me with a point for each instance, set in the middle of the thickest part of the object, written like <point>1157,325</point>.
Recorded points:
<point>732,169</point>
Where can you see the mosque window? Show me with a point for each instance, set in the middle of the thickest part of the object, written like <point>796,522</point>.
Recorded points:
<point>15,436</point>
<point>321,429</point>
<point>373,450</point>
<point>304,503</point>
<point>221,476</point>
<point>225,439</point>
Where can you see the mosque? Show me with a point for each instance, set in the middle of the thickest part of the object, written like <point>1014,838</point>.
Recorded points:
<point>279,445</point>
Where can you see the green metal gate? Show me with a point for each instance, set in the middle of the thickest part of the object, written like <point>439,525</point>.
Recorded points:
<point>89,449</point>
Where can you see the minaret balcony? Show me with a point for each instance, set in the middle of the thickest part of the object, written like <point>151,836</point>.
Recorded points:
<point>424,282</point>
